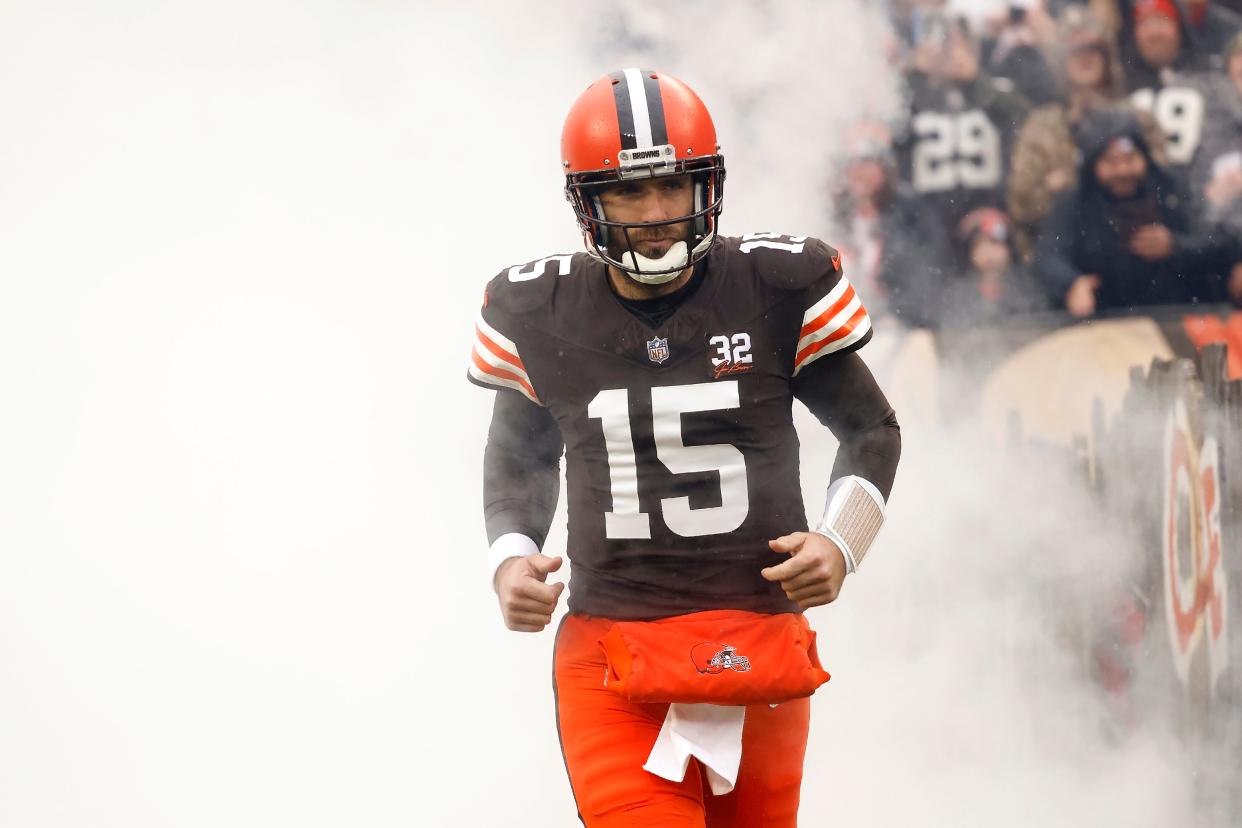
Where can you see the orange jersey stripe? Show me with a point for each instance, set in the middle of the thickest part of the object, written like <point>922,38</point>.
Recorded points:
<point>501,353</point>
<point>833,309</point>
<point>503,374</point>
<point>840,333</point>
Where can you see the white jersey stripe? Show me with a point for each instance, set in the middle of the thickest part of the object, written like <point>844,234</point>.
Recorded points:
<point>500,382</point>
<point>828,301</point>
<point>832,325</point>
<point>638,105</point>
<point>496,362</point>
<point>855,335</point>
<point>496,336</point>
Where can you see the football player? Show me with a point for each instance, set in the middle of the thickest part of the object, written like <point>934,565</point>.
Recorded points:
<point>663,362</point>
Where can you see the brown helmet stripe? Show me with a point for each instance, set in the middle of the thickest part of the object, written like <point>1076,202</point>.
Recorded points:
<point>655,108</point>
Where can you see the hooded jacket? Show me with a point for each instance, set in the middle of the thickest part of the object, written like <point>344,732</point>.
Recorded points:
<point>1201,45</point>
<point>1089,231</point>
<point>1045,144</point>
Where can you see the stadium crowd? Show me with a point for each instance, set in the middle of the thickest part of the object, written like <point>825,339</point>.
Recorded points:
<point>1082,157</point>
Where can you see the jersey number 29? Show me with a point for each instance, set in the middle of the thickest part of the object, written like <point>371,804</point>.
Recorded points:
<point>626,519</point>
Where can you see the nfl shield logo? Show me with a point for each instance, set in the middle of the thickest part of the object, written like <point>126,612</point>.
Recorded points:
<point>657,349</point>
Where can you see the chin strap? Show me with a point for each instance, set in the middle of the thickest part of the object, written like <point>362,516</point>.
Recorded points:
<point>652,271</point>
<point>852,518</point>
<point>656,271</point>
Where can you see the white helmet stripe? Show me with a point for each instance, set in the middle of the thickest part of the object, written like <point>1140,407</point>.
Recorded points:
<point>638,105</point>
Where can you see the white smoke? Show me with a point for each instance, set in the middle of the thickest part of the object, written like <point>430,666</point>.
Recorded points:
<point>241,248</point>
<point>784,81</point>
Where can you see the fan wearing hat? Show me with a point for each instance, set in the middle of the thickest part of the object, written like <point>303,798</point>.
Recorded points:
<point>1124,238</point>
<point>993,284</point>
<point>1165,75</point>
<point>960,123</point>
<point>1158,37</point>
<point>1045,160</point>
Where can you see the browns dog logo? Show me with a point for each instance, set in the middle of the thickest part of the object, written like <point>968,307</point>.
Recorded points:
<point>729,354</point>
<point>712,658</point>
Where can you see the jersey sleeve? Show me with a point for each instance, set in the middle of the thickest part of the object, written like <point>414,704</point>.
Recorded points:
<point>521,469</point>
<point>495,361</point>
<point>834,319</point>
<point>843,395</point>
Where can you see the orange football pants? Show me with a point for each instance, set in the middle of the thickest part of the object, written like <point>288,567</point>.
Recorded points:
<point>606,739</point>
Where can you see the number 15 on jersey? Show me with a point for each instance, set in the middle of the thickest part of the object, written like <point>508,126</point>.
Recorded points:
<point>626,518</point>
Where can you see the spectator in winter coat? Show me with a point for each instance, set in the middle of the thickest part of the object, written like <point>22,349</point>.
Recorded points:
<point>1217,173</point>
<point>1210,26</point>
<point>1168,77</point>
<point>1045,160</point>
<point>1155,38</point>
<point>896,252</point>
<point>1206,25</point>
<point>991,283</point>
<point>1012,50</point>
<point>961,123</point>
<point>1124,238</point>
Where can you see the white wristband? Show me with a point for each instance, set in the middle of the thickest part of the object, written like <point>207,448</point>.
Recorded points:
<point>853,515</point>
<point>509,545</point>
<point>850,566</point>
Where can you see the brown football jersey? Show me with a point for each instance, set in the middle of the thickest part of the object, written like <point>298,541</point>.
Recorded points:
<point>682,458</point>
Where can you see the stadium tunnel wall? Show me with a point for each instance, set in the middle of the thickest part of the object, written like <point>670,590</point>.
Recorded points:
<point>1148,411</point>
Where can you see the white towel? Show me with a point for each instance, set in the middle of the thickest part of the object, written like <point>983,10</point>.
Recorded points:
<point>710,733</point>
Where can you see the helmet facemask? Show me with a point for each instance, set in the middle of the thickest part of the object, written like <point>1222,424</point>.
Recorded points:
<point>707,179</point>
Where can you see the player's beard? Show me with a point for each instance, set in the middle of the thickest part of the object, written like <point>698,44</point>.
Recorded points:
<point>644,240</point>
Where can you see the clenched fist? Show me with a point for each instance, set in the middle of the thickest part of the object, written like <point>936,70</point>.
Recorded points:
<point>814,572</point>
<point>526,601</point>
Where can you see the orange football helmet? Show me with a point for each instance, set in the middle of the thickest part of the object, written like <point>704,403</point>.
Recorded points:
<point>638,123</point>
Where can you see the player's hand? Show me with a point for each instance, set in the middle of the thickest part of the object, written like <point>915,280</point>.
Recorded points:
<point>1152,242</point>
<point>814,572</point>
<point>526,602</point>
<point>1080,300</point>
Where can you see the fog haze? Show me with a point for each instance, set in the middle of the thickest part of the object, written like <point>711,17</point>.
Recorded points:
<point>241,543</point>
